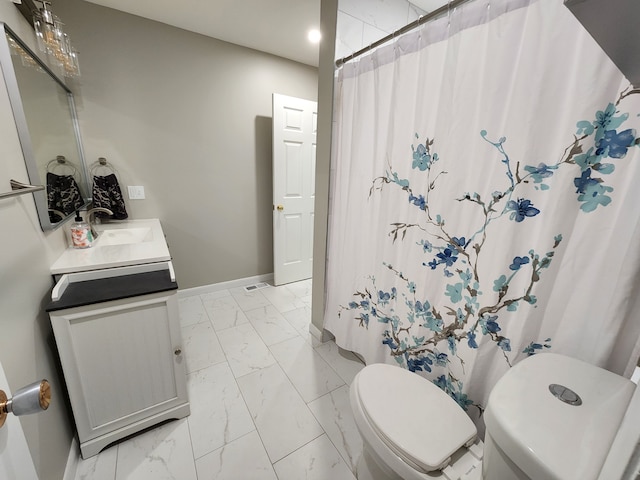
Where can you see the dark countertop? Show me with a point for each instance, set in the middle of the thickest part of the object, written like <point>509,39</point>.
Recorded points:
<point>115,288</point>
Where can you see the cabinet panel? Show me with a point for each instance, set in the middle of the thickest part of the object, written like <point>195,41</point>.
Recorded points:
<point>122,361</point>
<point>120,367</point>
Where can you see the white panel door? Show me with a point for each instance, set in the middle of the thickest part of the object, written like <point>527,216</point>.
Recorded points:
<point>15,459</point>
<point>294,163</point>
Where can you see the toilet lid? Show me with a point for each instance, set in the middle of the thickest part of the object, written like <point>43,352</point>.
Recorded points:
<point>543,434</point>
<point>414,417</point>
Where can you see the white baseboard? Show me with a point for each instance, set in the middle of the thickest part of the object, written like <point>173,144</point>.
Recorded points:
<point>73,460</point>
<point>320,335</point>
<point>216,287</point>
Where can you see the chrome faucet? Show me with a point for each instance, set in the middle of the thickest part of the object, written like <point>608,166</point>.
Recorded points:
<point>90,214</point>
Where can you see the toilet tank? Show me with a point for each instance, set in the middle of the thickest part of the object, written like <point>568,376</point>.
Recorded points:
<point>623,461</point>
<point>567,435</point>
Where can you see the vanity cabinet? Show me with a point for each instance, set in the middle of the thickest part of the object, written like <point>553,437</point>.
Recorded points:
<point>121,357</point>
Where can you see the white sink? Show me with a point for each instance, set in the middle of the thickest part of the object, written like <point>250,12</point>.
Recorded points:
<point>132,242</point>
<point>123,236</point>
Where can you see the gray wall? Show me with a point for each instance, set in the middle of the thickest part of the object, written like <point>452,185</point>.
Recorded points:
<point>26,348</point>
<point>328,25</point>
<point>189,118</point>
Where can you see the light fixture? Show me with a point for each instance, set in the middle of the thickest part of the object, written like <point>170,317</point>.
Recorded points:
<point>314,35</point>
<point>54,42</point>
<point>25,58</point>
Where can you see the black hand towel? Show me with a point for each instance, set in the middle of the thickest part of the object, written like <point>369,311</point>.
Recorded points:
<point>63,195</point>
<point>107,194</point>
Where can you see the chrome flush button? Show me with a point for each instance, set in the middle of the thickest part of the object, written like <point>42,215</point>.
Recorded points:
<point>565,394</point>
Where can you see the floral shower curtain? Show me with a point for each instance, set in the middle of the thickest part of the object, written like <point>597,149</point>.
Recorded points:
<point>483,203</point>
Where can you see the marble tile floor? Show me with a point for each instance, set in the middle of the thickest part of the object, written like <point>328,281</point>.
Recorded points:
<point>268,401</point>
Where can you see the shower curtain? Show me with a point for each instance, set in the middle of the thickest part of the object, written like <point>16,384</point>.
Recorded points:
<point>483,199</point>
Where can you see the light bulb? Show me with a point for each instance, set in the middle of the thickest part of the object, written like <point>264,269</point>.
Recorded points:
<point>314,36</point>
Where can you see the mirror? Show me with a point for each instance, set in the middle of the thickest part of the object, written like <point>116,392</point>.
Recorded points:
<point>45,116</point>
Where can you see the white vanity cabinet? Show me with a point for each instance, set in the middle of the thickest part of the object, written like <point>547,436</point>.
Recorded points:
<point>121,357</point>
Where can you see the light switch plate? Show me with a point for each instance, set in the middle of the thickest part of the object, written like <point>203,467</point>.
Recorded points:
<point>136,192</point>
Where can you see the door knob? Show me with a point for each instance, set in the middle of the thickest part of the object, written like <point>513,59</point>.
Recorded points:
<point>177,351</point>
<point>280,207</point>
<point>30,399</point>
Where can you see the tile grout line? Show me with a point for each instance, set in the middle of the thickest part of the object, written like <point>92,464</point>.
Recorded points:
<point>290,381</point>
<point>208,316</point>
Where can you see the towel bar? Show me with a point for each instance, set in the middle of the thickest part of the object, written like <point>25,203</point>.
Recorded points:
<point>18,188</point>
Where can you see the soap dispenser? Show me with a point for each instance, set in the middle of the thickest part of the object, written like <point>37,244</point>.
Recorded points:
<point>81,236</point>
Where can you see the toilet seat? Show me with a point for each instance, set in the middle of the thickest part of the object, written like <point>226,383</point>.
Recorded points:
<point>412,416</point>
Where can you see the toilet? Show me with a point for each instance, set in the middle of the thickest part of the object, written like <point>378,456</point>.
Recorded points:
<point>549,417</point>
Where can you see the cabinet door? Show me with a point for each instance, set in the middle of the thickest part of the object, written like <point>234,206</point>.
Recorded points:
<point>121,361</point>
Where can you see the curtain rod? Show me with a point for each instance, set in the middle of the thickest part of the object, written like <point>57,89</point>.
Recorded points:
<point>416,23</point>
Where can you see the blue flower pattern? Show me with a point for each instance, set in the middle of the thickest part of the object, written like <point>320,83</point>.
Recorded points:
<point>609,142</point>
<point>518,262</point>
<point>470,316</point>
<point>521,209</point>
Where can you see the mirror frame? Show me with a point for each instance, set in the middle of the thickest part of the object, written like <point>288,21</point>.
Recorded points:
<point>6,64</point>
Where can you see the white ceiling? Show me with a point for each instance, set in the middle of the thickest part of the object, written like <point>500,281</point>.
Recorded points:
<point>274,26</point>
<point>278,27</point>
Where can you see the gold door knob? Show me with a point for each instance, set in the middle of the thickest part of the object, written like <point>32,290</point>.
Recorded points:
<point>45,394</point>
<point>280,207</point>
<point>30,399</point>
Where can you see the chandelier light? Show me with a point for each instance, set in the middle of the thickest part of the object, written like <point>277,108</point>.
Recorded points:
<point>54,41</point>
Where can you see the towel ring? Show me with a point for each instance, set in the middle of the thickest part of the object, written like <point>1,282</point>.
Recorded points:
<point>61,162</point>
<point>101,163</point>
